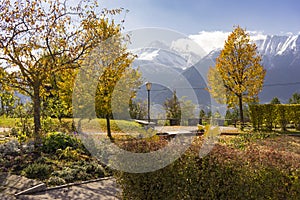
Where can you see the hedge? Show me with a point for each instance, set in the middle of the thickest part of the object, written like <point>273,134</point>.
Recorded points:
<point>225,173</point>
<point>271,115</point>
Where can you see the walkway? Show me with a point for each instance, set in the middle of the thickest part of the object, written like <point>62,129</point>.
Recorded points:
<point>94,190</point>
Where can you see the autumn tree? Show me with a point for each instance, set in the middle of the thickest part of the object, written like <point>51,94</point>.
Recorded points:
<point>7,96</point>
<point>42,38</point>
<point>106,80</point>
<point>117,83</point>
<point>57,95</point>
<point>125,93</point>
<point>238,75</point>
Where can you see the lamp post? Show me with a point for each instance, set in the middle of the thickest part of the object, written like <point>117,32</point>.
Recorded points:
<point>148,87</point>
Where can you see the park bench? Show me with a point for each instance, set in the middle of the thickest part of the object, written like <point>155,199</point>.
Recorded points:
<point>145,124</point>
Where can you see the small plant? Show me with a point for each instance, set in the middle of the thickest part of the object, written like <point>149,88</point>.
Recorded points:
<point>55,180</point>
<point>37,171</point>
<point>58,140</point>
<point>68,153</point>
<point>67,174</point>
<point>95,168</point>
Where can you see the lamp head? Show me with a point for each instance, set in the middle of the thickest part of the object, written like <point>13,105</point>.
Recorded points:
<point>148,86</point>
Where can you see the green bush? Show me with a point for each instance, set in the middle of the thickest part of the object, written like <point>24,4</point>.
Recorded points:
<point>96,169</point>
<point>37,171</point>
<point>57,140</point>
<point>78,171</point>
<point>54,180</point>
<point>225,173</point>
<point>67,174</point>
<point>271,115</point>
<point>68,154</point>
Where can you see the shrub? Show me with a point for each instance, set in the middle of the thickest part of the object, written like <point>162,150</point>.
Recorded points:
<point>96,169</point>
<point>225,173</point>
<point>58,140</point>
<point>12,147</point>
<point>68,153</point>
<point>272,114</point>
<point>54,180</point>
<point>67,174</point>
<point>37,171</point>
<point>79,171</point>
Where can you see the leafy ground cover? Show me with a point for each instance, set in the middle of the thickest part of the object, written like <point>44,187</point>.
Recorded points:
<point>61,159</point>
<point>248,166</point>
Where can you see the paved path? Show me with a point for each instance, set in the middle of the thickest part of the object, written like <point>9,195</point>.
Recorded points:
<point>4,129</point>
<point>103,189</point>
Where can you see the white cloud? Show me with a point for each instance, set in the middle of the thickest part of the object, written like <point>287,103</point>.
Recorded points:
<point>257,35</point>
<point>209,41</point>
<point>186,45</point>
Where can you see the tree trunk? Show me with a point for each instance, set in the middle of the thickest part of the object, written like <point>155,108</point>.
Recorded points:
<point>2,106</point>
<point>37,113</point>
<point>108,128</point>
<point>241,112</point>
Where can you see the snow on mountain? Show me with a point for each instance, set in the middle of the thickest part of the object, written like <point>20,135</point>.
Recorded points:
<point>278,45</point>
<point>161,56</point>
<point>280,57</point>
<point>188,49</point>
<point>148,55</point>
<point>186,52</point>
<point>180,53</point>
<point>267,44</point>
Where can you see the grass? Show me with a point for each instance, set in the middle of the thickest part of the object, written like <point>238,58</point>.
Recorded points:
<point>94,125</point>
<point>6,122</point>
<point>99,125</point>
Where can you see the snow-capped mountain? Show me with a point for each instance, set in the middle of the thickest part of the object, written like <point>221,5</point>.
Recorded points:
<point>281,59</point>
<point>279,45</point>
<point>192,58</point>
<point>162,56</point>
<point>270,45</point>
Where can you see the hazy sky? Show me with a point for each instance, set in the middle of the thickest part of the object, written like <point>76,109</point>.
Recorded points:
<point>193,16</point>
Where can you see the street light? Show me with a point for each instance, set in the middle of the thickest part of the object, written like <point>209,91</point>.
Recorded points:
<point>148,87</point>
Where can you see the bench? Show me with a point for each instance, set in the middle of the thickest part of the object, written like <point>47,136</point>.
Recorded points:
<point>145,124</point>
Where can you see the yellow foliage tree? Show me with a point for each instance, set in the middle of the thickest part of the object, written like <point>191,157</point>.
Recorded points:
<point>40,38</point>
<point>238,75</point>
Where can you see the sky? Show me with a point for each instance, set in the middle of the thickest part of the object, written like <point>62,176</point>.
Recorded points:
<point>273,17</point>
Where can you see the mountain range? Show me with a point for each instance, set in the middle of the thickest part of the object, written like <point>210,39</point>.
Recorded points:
<point>183,67</point>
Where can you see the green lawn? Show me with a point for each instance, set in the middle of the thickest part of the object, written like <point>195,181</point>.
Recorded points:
<point>8,122</point>
<point>95,125</point>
